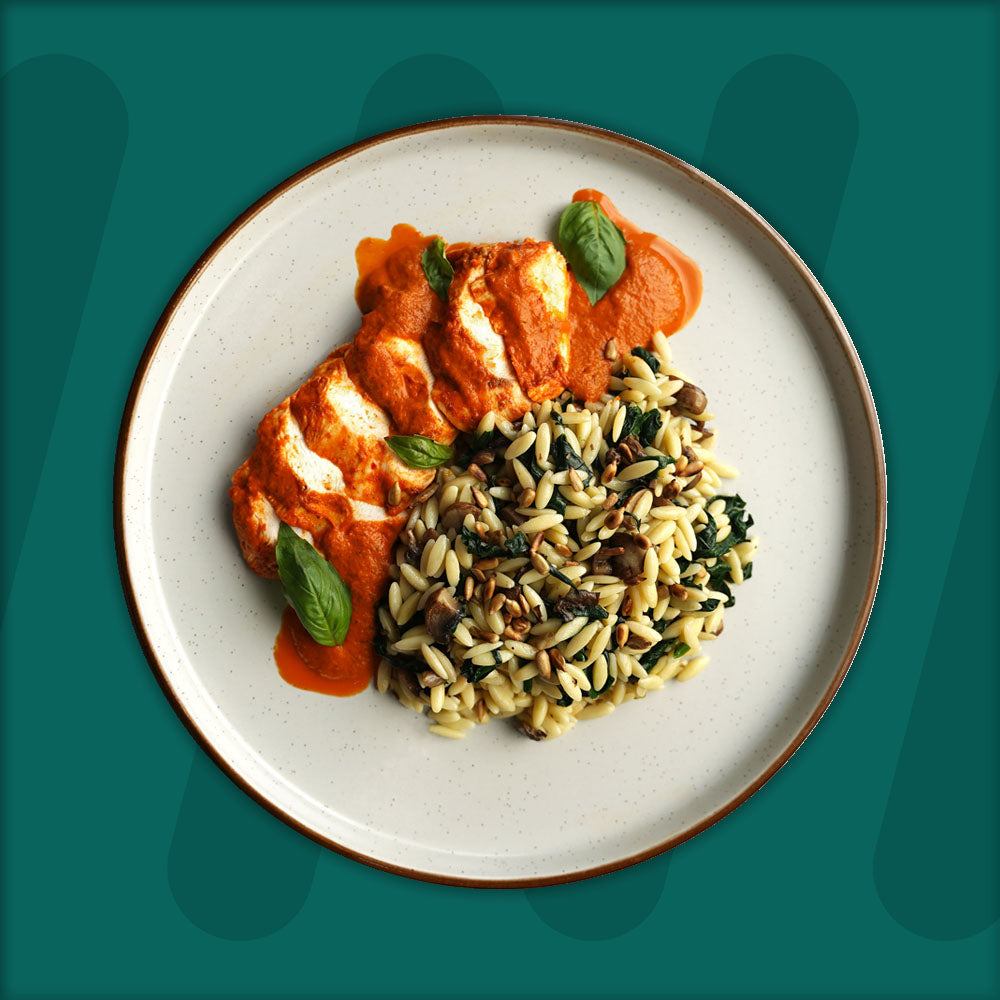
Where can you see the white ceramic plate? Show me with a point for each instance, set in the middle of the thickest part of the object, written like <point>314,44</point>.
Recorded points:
<point>274,295</point>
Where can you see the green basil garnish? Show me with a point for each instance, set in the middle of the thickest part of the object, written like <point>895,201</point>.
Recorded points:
<point>437,269</point>
<point>313,588</point>
<point>594,247</point>
<point>420,452</point>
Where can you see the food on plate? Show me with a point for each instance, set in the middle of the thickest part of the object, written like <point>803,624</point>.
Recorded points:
<point>457,340</point>
<point>571,560</point>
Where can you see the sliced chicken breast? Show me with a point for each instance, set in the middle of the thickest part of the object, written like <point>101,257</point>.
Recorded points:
<point>524,291</point>
<point>322,464</point>
<point>343,425</point>
<point>388,359</point>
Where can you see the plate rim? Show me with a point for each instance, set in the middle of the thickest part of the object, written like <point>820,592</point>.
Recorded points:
<point>749,214</point>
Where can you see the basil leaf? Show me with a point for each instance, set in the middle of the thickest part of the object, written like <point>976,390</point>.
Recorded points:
<point>420,452</point>
<point>641,352</point>
<point>437,270</point>
<point>313,588</point>
<point>594,247</point>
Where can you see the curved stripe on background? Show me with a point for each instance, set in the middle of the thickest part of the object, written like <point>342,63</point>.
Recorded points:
<point>783,138</point>
<point>215,869</point>
<point>786,127</point>
<point>935,861</point>
<point>234,870</point>
<point>606,907</point>
<point>424,88</point>
<point>65,129</point>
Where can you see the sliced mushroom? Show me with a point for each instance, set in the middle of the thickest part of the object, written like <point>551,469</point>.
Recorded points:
<point>616,457</point>
<point>632,443</point>
<point>531,732</point>
<point>568,607</point>
<point>413,547</point>
<point>637,642</point>
<point>409,680</point>
<point>454,516</point>
<point>627,565</point>
<point>690,398</point>
<point>601,562</point>
<point>442,614</point>
<point>511,516</point>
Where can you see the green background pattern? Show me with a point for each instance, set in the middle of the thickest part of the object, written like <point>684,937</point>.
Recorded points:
<point>133,134</point>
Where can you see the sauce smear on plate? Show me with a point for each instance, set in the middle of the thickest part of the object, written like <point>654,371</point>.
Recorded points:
<point>660,289</point>
<point>304,663</point>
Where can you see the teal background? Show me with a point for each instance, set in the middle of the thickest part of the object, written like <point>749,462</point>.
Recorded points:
<point>132,135</point>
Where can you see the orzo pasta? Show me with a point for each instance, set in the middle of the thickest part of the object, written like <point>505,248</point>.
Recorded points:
<point>571,561</point>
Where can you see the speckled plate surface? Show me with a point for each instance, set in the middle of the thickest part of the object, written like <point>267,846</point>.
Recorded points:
<point>274,295</point>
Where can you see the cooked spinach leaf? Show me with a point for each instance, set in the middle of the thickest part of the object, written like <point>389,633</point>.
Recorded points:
<point>650,359</point>
<point>381,644</point>
<point>516,545</point>
<point>474,672</point>
<point>558,502</point>
<point>632,417</point>
<point>565,457</point>
<point>649,427</point>
<point>740,523</point>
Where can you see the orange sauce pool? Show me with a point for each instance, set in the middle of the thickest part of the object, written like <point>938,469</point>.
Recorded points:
<point>304,663</point>
<point>374,258</point>
<point>660,289</point>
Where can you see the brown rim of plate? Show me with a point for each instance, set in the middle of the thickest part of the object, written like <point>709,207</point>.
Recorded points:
<point>878,456</point>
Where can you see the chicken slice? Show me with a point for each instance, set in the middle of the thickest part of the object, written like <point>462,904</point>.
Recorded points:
<point>388,359</point>
<point>524,291</point>
<point>342,424</point>
<point>321,464</point>
<point>505,338</point>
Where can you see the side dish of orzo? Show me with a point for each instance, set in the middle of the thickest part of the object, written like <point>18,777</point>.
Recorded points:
<point>569,562</point>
